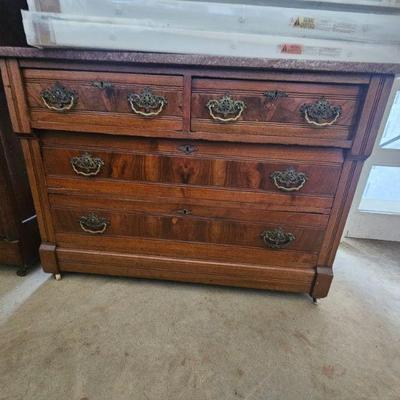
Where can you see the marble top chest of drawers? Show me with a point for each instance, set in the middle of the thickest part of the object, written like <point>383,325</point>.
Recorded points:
<point>234,176</point>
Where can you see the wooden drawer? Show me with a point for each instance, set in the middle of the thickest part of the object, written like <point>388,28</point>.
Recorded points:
<point>105,102</point>
<point>278,177</point>
<point>239,110</point>
<point>225,229</point>
<point>184,269</point>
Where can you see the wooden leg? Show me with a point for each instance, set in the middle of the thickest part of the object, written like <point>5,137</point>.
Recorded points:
<point>322,282</point>
<point>22,270</point>
<point>48,258</point>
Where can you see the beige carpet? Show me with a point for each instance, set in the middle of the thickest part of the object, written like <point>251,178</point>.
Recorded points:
<point>102,338</point>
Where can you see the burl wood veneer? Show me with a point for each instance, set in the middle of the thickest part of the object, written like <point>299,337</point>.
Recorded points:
<point>225,175</point>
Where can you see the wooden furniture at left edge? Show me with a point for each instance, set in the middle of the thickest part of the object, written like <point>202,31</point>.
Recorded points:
<point>19,234</point>
<point>199,169</point>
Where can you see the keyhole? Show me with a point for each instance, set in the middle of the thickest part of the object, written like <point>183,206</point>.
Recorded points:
<point>187,149</point>
<point>184,211</point>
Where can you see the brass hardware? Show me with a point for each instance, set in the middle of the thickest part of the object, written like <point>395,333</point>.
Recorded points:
<point>184,211</point>
<point>273,95</point>
<point>58,98</point>
<point>93,224</point>
<point>226,106</point>
<point>277,238</point>
<point>102,84</point>
<point>146,103</point>
<point>289,180</point>
<point>321,113</point>
<point>86,164</point>
<point>187,148</point>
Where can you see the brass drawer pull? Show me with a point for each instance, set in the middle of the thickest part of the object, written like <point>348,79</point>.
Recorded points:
<point>226,106</point>
<point>289,180</point>
<point>277,238</point>
<point>102,84</point>
<point>93,224</point>
<point>187,148</point>
<point>321,113</point>
<point>273,95</point>
<point>58,98</point>
<point>86,164</point>
<point>146,103</point>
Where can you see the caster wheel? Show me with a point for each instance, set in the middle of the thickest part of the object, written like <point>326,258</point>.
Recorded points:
<point>57,277</point>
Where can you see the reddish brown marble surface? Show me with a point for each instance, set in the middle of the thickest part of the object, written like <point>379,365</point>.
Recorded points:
<point>197,60</point>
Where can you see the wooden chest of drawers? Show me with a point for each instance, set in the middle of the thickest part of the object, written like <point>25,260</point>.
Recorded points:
<point>226,176</point>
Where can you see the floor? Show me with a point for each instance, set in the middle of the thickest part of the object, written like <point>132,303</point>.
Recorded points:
<point>101,338</point>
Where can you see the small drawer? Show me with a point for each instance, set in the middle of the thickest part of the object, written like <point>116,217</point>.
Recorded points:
<point>278,177</point>
<point>256,111</point>
<point>103,102</point>
<point>256,235</point>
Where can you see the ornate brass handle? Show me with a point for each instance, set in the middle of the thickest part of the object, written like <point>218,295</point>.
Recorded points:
<point>86,164</point>
<point>58,98</point>
<point>289,180</point>
<point>146,103</point>
<point>93,224</point>
<point>226,106</point>
<point>277,238</point>
<point>321,113</point>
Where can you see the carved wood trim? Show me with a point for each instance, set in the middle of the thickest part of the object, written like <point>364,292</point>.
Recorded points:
<point>48,258</point>
<point>371,115</point>
<point>322,282</point>
<point>36,174</point>
<point>15,95</point>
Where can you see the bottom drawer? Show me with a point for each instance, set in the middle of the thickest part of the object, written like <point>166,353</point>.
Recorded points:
<point>165,227</point>
<point>185,270</point>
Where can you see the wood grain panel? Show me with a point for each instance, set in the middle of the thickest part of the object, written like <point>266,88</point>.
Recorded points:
<point>11,253</point>
<point>138,190</point>
<point>179,269</point>
<point>15,94</point>
<point>108,107</point>
<point>148,221</point>
<point>210,166</point>
<point>229,210</point>
<point>196,251</point>
<point>277,117</point>
<point>198,170</point>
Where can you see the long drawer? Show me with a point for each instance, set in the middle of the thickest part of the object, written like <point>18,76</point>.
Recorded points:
<point>222,231</point>
<point>277,177</point>
<point>109,102</point>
